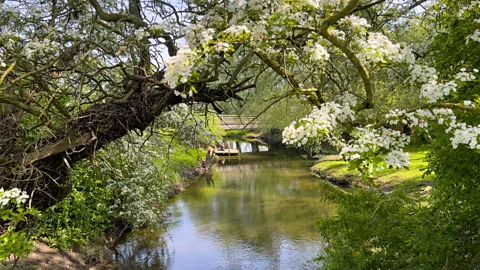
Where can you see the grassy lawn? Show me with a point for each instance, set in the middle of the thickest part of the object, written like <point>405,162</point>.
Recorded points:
<point>411,177</point>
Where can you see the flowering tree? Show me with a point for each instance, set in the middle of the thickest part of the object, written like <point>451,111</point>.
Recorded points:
<point>294,38</point>
<point>76,75</point>
<point>79,74</point>
<point>313,46</point>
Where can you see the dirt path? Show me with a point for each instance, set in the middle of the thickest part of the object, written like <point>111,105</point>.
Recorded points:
<point>45,257</point>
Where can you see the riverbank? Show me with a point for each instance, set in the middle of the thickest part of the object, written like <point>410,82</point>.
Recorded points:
<point>333,169</point>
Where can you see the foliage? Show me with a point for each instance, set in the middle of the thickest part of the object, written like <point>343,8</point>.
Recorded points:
<point>411,231</point>
<point>373,230</point>
<point>128,183</point>
<point>186,125</point>
<point>238,133</point>
<point>16,239</point>
<point>378,231</point>
<point>84,213</point>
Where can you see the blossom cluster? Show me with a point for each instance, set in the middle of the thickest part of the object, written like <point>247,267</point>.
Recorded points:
<point>40,48</point>
<point>348,99</point>
<point>432,89</point>
<point>369,140</point>
<point>398,158</point>
<point>466,134</point>
<point>355,24</point>
<point>190,129</point>
<point>466,76</point>
<point>237,30</point>
<point>137,182</point>
<point>317,52</point>
<point>475,36</point>
<point>377,48</point>
<point>13,195</point>
<point>462,133</point>
<point>321,121</point>
<point>199,36</point>
<point>422,74</point>
<point>179,68</point>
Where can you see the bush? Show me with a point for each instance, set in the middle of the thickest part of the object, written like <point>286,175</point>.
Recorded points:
<point>407,231</point>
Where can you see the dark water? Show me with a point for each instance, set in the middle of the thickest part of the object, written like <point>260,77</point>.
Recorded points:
<point>257,213</point>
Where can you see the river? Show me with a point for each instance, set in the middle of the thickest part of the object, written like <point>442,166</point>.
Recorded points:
<point>259,212</point>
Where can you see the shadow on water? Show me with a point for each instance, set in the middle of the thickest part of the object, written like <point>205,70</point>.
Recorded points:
<point>254,212</point>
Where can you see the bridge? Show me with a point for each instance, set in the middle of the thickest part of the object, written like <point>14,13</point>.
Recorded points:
<point>235,122</point>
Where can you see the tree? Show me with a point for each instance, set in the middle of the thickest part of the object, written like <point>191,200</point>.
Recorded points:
<point>79,74</point>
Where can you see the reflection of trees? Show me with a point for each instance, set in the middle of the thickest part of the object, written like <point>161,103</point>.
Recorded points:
<point>209,179</point>
<point>145,250</point>
<point>255,203</point>
<point>252,210</point>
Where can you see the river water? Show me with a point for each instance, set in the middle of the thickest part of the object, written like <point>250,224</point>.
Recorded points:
<point>259,212</point>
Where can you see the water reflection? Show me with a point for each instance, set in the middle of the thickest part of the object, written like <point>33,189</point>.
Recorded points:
<point>251,147</point>
<point>209,179</point>
<point>246,215</point>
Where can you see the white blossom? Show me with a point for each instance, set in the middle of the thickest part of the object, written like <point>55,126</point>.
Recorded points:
<point>259,33</point>
<point>466,134</point>
<point>237,30</point>
<point>180,67</point>
<point>378,49</point>
<point>140,33</point>
<point>13,195</point>
<point>464,75</point>
<point>355,24</point>
<point>321,121</point>
<point>398,158</point>
<point>370,139</point>
<point>222,47</point>
<point>422,74</point>
<point>317,52</point>
<point>199,36</point>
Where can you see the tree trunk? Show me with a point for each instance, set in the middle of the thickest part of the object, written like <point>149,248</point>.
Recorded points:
<point>44,171</point>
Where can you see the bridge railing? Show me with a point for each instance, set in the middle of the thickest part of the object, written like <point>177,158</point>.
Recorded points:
<point>238,122</point>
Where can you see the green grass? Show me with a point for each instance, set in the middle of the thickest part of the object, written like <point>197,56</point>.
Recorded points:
<point>180,157</point>
<point>238,134</point>
<point>387,177</point>
<point>189,157</point>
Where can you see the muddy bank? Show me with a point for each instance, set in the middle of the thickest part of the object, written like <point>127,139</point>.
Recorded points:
<point>344,181</point>
<point>45,257</point>
<point>188,175</point>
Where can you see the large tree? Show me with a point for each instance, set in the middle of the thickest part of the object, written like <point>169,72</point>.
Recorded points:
<point>79,74</point>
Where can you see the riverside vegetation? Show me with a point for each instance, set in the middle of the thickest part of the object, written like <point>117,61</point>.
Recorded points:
<point>124,186</point>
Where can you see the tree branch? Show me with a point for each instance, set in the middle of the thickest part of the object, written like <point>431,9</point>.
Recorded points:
<point>67,143</point>
<point>342,13</point>
<point>116,17</point>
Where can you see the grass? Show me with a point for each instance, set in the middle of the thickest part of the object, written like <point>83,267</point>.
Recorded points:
<point>187,157</point>
<point>411,177</point>
<point>238,134</point>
